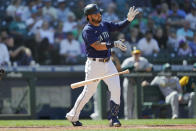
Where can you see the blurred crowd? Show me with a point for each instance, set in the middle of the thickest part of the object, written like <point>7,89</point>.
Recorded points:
<point>48,32</point>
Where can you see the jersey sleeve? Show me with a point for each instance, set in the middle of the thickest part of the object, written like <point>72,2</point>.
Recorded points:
<point>89,36</point>
<point>125,63</point>
<point>155,81</point>
<point>117,26</point>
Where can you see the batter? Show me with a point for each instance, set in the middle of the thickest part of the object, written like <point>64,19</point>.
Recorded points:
<point>96,35</point>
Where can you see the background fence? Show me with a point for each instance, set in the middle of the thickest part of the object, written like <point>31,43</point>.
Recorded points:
<point>44,92</point>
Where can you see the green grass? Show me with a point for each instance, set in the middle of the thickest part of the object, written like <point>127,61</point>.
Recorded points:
<point>42,123</point>
<point>95,122</point>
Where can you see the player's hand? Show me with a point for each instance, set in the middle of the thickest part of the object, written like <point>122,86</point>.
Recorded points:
<point>132,13</point>
<point>144,83</point>
<point>119,44</point>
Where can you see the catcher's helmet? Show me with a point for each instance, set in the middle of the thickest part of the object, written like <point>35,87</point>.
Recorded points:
<point>92,9</point>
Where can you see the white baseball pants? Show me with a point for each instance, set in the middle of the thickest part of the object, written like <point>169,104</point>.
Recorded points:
<point>95,69</point>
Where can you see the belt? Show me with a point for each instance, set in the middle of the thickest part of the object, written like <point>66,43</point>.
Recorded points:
<point>100,59</point>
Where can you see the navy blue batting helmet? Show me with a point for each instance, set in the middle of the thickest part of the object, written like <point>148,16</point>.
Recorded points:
<point>92,9</point>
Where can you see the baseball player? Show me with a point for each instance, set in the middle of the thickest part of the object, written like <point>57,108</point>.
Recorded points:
<point>188,85</point>
<point>171,89</point>
<point>140,64</point>
<point>96,35</point>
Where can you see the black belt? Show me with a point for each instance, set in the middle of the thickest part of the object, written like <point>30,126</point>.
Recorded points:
<point>101,59</point>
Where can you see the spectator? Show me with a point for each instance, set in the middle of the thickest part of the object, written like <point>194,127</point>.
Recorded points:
<point>77,9</point>
<point>119,4</point>
<point>34,22</point>
<point>17,27</point>
<point>110,14</point>
<point>31,4</point>
<point>173,40</point>
<point>171,89</point>
<point>158,16</point>
<point>80,40</point>
<point>38,4</point>
<point>70,24</point>
<point>140,21</point>
<point>192,45</point>
<point>21,55</point>
<point>62,11</point>
<point>17,7</point>
<point>12,8</point>
<point>49,12</point>
<point>186,6</point>
<point>167,28</point>
<point>164,9</point>
<point>150,25</point>
<point>185,31</point>
<point>70,48</point>
<point>140,64</point>
<point>104,3</point>
<point>25,11</point>
<point>184,49</point>
<point>134,36</point>
<point>191,17</point>
<point>175,16</point>
<point>4,55</point>
<point>59,34</point>
<point>148,45</point>
<point>44,56</point>
<point>45,32</point>
<point>176,11</point>
<point>161,38</point>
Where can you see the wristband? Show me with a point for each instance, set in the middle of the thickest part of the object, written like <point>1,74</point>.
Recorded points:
<point>110,44</point>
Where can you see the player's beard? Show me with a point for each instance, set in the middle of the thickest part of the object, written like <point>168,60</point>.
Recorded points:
<point>97,21</point>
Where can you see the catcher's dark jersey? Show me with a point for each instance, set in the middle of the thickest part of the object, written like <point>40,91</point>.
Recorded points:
<point>100,33</point>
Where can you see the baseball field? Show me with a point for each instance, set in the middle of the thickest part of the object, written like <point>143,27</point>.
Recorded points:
<point>99,125</point>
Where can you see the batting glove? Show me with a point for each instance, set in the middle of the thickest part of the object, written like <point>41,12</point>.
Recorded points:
<point>119,44</point>
<point>132,13</point>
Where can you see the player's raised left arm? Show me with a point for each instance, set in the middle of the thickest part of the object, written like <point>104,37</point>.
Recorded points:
<point>132,13</point>
<point>122,24</point>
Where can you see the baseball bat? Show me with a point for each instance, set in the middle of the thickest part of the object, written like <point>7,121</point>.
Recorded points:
<point>87,82</point>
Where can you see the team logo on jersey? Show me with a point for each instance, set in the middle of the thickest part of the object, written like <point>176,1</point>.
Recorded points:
<point>104,36</point>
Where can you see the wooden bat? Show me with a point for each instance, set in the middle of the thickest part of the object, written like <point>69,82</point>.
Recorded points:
<point>86,82</point>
